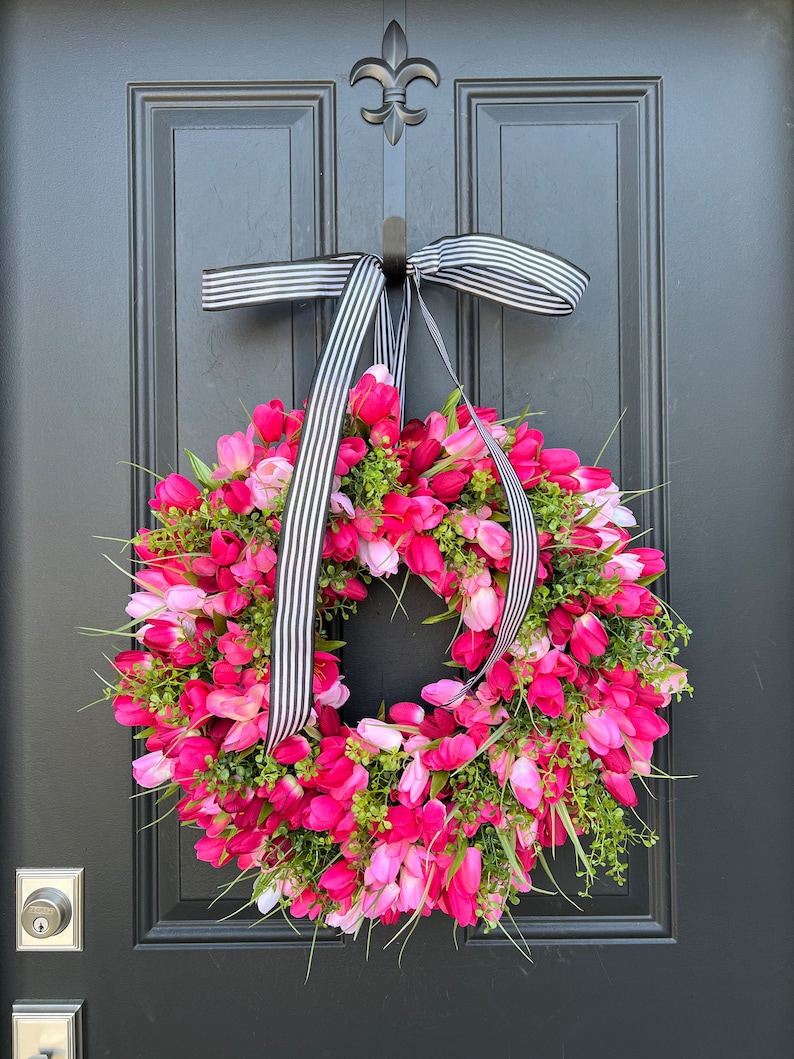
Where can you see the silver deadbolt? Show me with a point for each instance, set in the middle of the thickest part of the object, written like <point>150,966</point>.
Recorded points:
<point>46,912</point>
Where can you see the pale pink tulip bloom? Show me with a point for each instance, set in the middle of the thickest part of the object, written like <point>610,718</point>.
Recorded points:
<point>525,781</point>
<point>268,480</point>
<point>268,900</point>
<point>443,692</point>
<point>380,373</point>
<point>606,503</point>
<point>538,646</point>
<point>481,610</point>
<point>348,922</point>
<point>150,770</point>
<point>627,567</point>
<point>336,695</point>
<point>382,901</point>
<point>413,783</point>
<point>493,539</point>
<point>385,863</point>
<point>380,734</point>
<point>145,605</point>
<point>465,443</point>
<point>242,707</point>
<point>380,557</point>
<point>341,505</point>
<point>235,453</point>
<point>183,598</point>
<point>601,733</point>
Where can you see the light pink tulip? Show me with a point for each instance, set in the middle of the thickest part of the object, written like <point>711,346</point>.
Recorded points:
<point>235,453</point>
<point>151,770</point>
<point>525,781</point>
<point>145,605</point>
<point>380,557</point>
<point>380,734</point>
<point>413,783</point>
<point>242,707</point>
<point>601,733</point>
<point>494,539</point>
<point>183,598</point>
<point>268,480</point>
<point>481,610</point>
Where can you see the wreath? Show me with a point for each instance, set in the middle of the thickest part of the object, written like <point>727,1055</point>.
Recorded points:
<point>448,803</point>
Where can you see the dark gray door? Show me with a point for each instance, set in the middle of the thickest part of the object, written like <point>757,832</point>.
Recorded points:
<point>646,141</point>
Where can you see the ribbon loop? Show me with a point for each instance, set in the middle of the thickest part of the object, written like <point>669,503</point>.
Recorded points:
<point>487,266</point>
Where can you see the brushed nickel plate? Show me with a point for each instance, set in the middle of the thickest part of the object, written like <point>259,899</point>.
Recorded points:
<point>70,882</point>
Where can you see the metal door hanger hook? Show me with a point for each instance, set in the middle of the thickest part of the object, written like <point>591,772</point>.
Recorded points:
<point>394,250</point>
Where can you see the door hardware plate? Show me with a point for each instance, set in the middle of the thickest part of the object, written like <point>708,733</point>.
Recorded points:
<point>70,882</point>
<point>53,1028</point>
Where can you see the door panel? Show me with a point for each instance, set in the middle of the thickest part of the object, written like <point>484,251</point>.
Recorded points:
<point>649,145</point>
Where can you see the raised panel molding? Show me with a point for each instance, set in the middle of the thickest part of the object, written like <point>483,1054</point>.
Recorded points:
<point>587,154</point>
<point>178,133</point>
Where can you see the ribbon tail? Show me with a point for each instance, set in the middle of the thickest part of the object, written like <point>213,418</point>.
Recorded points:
<point>524,552</point>
<point>306,509</point>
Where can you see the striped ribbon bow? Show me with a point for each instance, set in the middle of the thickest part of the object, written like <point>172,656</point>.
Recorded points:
<point>487,266</point>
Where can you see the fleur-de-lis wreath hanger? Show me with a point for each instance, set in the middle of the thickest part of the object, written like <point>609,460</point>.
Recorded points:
<point>394,71</point>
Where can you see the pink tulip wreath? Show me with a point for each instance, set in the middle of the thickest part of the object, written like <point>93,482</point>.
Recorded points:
<point>446,804</point>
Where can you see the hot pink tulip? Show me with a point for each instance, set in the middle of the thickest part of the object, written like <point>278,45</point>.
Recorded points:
<point>619,786</point>
<point>461,892</point>
<point>130,712</point>
<point>451,753</point>
<point>290,750</point>
<point>406,713</point>
<point>471,648</point>
<point>372,400</point>
<point>225,547</point>
<point>340,880</point>
<point>424,557</point>
<point>448,485</point>
<point>323,812</point>
<point>590,478</point>
<point>176,492</point>
<point>589,638</point>
<point>268,420</point>
<point>286,794</point>
<point>237,497</point>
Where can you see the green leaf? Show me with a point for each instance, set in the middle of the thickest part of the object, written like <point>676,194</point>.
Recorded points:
<point>434,619</point>
<point>329,645</point>
<point>649,580</point>
<point>438,783</point>
<point>448,410</point>
<point>202,472</point>
<point>510,851</point>
<point>460,856</point>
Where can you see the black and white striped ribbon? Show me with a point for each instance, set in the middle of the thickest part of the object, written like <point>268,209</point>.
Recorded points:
<point>486,266</point>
